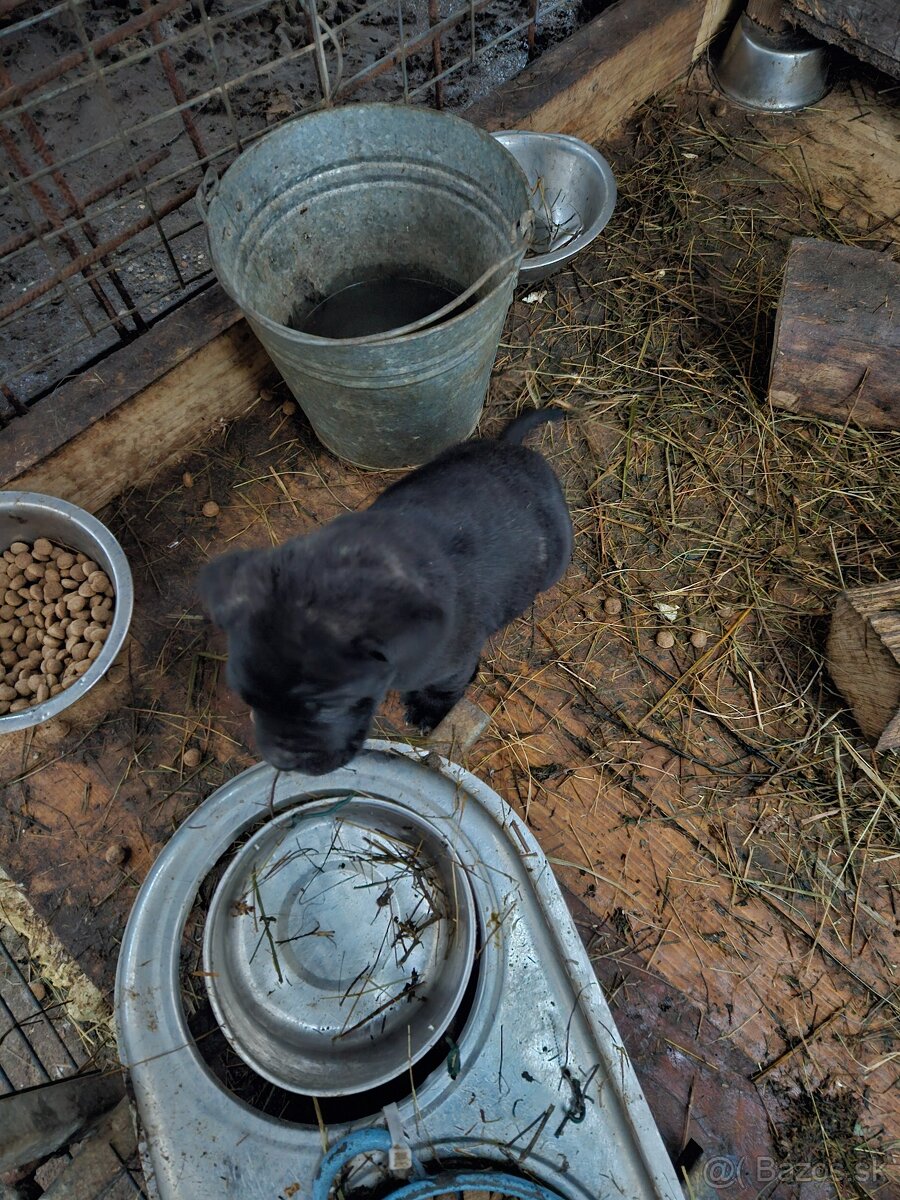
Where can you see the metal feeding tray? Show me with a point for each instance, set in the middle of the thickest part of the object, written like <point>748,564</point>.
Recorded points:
<point>529,1083</point>
<point>338,945</point>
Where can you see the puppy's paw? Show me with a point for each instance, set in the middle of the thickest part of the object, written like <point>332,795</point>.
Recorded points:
<point>425,710</point>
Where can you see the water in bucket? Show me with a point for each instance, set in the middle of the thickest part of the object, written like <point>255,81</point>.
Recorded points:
<point>375,306</point>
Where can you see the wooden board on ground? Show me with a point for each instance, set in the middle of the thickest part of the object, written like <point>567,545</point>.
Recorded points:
<point>838,158</point>
<point>864,659</point>
<point>140,408</point>
<point>837,336</point>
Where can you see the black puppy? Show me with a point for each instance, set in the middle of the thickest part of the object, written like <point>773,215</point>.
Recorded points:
<point>401,596</point>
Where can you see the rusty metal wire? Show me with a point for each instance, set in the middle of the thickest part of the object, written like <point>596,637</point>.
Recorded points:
<point>111,113</point>
<point>38,1045</point>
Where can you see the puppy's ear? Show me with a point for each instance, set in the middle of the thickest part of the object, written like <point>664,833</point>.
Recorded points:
<point>232,584</point>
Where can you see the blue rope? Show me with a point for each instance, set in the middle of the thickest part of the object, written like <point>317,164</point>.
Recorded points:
<point>364,1141</point>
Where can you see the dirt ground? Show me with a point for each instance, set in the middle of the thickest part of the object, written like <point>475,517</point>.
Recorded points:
<point>727,839</point>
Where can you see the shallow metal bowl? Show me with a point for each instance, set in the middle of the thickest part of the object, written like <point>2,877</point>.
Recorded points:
<point>573,194</point>
<point>777,72</point>
<point>26,516</point>
<point>339,944</point>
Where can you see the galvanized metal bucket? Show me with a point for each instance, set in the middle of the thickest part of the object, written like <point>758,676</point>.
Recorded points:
<point>361,193</point>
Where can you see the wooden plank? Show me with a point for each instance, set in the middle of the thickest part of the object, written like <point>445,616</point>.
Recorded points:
<point>839,156</point>
<point>863,656</point>
<point>769,13</point>
<point>590,84</point>
<point>154,425</point>
<point>97,393</point>
<point>763,973</point>
<point>867,29</point>
<point>716,15</point>
<point>697,1084</point>
<point>837,336</point>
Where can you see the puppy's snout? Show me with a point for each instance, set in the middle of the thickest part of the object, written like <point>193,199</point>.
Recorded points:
<point>307,764</point>
<point>287,755</point>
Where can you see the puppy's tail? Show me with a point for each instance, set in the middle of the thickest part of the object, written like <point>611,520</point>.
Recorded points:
<point>517,430</point>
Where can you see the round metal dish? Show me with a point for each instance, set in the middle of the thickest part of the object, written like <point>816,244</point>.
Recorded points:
<point>777,72</point>
<point>26,516</point>
<point>339,944</point>
<point>573,194</point>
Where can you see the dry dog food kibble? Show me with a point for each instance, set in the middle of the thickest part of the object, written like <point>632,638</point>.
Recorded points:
<point>56,614</point>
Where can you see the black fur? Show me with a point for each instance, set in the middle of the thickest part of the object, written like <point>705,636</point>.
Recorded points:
<point>401,596</point>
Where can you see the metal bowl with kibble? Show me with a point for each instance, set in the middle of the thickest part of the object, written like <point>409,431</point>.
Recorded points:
<point>65,606</point>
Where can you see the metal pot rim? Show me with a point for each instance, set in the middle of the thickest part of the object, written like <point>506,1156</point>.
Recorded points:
<point>31,506</point>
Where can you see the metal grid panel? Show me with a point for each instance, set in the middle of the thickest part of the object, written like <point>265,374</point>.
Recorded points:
<point>39,1045</point>
<point>110,115</point>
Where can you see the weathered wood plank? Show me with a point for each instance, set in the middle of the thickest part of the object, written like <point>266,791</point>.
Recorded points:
<point>841,156</point>
<point>837,337</point>
<point>95,394</point>
<point>152,425</point>
<point>769,13</point>
<point>589,84</point>
<point>867,29</point>
<point>864,659</point>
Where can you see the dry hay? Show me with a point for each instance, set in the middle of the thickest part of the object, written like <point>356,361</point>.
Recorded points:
<point>698,507</point>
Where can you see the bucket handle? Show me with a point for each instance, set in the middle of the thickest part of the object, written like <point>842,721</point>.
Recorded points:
<point>521,236</point>
<point>206,192</point>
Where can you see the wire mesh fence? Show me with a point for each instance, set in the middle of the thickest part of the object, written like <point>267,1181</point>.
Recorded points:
<point>112,113</point>
<point>39,1046</point>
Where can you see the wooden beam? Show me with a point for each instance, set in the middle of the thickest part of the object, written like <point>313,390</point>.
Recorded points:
<point>769,13</point>
<point>867,29</point>
<point>864,659</point>
<point>590,84</point>
<point>837,336</point>
<point>140,408</point>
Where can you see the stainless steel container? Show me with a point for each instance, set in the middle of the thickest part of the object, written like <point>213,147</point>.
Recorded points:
<point>26,516</point>
<point>776,72</point>
<point>573,195</point>
<point>339,944</point>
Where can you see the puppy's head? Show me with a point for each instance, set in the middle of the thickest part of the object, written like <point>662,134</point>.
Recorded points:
<point>313,646</point>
